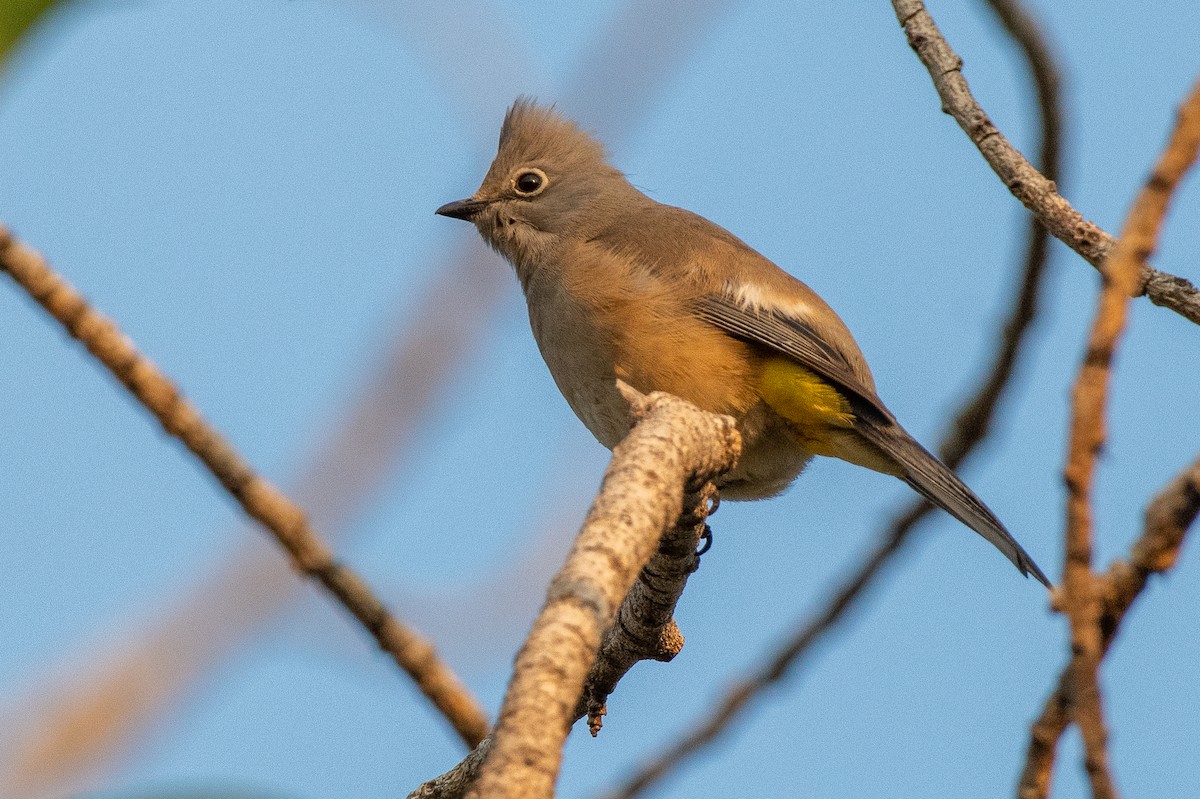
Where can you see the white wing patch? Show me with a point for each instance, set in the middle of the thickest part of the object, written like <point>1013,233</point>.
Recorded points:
<point>757,299</point>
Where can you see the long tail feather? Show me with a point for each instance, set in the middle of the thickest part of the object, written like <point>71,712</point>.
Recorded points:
<point>933,480</point>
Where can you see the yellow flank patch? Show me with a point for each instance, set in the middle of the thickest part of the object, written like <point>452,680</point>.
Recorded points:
<point>805,400</point>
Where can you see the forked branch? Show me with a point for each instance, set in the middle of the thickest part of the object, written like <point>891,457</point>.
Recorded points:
<point>1034,190</point>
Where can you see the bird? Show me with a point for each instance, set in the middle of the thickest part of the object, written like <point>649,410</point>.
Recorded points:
<point>622,287</point>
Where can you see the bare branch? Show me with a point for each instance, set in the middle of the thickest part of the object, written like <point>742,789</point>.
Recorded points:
<point>971,425</point>
<point>645,627</point>
<point>673,448</point>
<point>258,497</point>
<point>643,630</point>
<point>1034,190</point>
<point>455,782</point>
<point>1087,598</point>
<point>1168,518</point>
<point>975,416</point>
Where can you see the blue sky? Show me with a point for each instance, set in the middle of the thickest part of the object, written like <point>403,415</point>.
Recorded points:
<point>249,190</point>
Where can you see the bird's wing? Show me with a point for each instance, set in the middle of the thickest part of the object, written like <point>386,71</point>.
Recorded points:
<point>799,340</point>
<point>791,336</point>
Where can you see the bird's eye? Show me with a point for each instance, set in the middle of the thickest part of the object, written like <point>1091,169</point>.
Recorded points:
<point>530,182</point>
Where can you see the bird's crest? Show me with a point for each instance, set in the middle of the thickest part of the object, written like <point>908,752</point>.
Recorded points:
<point>533,132</point>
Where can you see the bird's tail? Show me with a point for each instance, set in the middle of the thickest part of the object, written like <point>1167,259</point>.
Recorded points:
<point>933,480</point>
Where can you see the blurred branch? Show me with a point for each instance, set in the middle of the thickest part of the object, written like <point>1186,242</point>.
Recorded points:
<point>16,18</point>
<point>1035,191</point>
<point>258,497</point>
<point>1168,518</point>
<point>971,425</point>
<point>251,587</point>
<point>779,665</point>
<point>1095,604</point>
<point>673,450</point>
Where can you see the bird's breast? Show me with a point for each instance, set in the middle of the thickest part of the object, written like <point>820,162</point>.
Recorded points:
<point>590,340</point>
<point>637,331</point>
<point>579,349</point>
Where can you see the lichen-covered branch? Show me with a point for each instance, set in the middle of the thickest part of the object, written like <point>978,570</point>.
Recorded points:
<point>673,450</point>
<point>643,630</point>
<point>1034,190</point>
<point>645,626</point>
<point>257,496</point>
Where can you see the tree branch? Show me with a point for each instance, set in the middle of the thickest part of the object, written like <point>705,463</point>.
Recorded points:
<point>1096,604</point>
<point>1034,190</point>
<point>258,497</point>
<point>971,425</point>
<point>644,630</point>
<point>645,626</point>
<point>1168,518</point>
<point>658,477</point>
<point>673,446</point>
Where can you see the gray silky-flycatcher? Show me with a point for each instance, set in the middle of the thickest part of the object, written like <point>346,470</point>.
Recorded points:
<point>622,287</point>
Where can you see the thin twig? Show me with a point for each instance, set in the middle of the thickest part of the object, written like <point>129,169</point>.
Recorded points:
<point>260,499</point>
<point>1086,597</point>
<point>1034,190</point>
<point>971,425</point>
<point>1168,519</point>
<point>973,419</point>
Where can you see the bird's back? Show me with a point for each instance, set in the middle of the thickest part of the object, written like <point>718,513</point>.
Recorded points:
<point>685,249</point>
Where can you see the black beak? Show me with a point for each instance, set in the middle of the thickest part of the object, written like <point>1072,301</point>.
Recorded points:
<point>462,209</point>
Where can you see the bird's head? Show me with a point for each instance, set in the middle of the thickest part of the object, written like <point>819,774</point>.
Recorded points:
<point>550,182</point>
